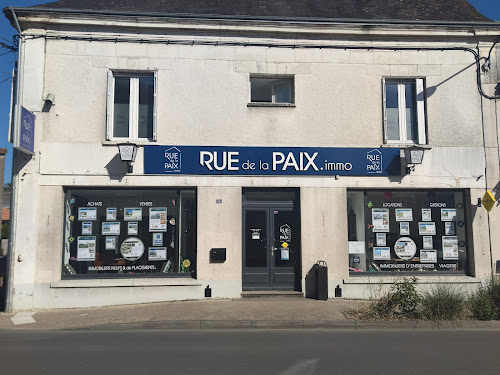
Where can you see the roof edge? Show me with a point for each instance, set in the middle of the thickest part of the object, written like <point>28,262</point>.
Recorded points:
<point>355,21</point>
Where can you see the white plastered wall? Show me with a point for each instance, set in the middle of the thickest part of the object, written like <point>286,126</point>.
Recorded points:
<point>324,232</point>
<point>203,94</point>
<point>219,226</point>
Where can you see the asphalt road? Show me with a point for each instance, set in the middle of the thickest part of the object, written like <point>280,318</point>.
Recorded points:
<point>284,352</point>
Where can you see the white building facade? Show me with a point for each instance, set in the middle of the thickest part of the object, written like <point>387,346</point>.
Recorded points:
<point>264,146</point>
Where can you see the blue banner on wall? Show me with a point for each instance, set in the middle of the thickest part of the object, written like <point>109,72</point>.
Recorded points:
<point>271,161</point>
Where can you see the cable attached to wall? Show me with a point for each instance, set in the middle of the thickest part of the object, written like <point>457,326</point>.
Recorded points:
<point>292,46</point>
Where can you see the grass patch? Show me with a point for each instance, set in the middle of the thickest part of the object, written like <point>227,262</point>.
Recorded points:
<point>484,304</point>
<point>443,302</point>
<point>401,302</point>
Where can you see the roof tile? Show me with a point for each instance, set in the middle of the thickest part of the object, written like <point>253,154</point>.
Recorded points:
<point>410,10</point>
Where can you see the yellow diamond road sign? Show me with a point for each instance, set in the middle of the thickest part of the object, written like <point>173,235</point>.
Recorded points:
<point>488,200</point>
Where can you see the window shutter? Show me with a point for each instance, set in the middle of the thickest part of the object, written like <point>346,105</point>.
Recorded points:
<point>109,112</point>
<point>155,104</point>
<point>384,103</point>
<point>421,111</point>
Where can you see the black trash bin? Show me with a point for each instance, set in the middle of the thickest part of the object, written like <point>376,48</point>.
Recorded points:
<point>317,281</point>
<point>321,280</point>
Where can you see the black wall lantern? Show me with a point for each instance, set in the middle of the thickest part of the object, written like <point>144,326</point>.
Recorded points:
<point>413,156</point>
<point>128,152</point>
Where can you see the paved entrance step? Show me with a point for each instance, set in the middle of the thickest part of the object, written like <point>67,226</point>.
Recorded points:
<point>271,294</point>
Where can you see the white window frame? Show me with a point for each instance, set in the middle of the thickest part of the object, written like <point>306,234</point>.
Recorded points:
<point>279,80</point>
<point>420,109</point>
<point>133,105</point>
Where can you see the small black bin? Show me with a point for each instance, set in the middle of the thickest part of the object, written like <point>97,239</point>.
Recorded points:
<point>317,281</point>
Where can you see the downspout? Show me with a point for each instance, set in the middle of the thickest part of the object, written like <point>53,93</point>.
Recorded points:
<point>13,222</point>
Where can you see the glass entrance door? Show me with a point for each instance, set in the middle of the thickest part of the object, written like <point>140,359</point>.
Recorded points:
<point>271,252</point>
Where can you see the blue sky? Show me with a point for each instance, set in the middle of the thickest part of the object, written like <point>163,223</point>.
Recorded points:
<point>490,8</point>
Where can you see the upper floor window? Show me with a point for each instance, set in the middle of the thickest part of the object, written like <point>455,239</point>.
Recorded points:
<point>131,105</point>
<point>273,89</point>
<point>404,111</point>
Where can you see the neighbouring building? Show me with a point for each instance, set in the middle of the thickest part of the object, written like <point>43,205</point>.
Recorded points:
<point>268,135</point>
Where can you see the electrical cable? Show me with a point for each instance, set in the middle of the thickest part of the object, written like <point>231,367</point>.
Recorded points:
<point>292,46</point>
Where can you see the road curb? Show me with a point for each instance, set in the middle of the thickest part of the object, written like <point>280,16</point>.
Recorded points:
<point>294,324</point>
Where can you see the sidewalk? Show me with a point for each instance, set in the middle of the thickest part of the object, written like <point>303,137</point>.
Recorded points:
<point>217,314</point>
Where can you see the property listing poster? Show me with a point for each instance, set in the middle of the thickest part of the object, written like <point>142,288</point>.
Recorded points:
<point>158,219</point>
<point>86,248</point>
<point>380,219</point>
<point>450,247</point>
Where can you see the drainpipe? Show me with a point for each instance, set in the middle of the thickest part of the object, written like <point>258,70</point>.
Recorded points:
<point>13,222</point>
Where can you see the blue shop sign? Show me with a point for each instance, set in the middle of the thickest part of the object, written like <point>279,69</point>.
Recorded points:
<point>25,132</point>
<point>271,161</point>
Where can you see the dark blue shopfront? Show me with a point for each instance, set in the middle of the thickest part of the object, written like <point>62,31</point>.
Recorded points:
<point>271,161</point>
<point>271,220</point>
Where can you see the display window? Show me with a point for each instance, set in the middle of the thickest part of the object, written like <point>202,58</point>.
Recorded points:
<point>127,233</point>
<point>407,231</point>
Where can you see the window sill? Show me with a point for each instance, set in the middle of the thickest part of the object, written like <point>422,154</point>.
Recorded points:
<point>111,283</point>
<point>421,279</point>
<point>138,142</point>
<point>404,145</point>
<point>289,105</point>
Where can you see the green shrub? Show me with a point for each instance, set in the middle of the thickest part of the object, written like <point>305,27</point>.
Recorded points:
<point>494,291</point>
<point>444,302</point>
<point>485,302</point>
<point>5,230</point>
<point>401,302</point>
<point>406,298</point>
<point>481,305</point>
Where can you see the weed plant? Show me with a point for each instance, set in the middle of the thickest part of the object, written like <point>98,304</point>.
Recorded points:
<point>401,302</point>
<point>406,298</point>
<point>443,302</point>
<point>484,304</point>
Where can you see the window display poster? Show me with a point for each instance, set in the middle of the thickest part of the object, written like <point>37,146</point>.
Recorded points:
<point>404,229</point>
<point>86,248</point>
<point>132,248</point>
<point>110,242</point>
<point>381,253</point>
<point>426,214</point>
<point>87,227</point>
<point>87,213</point>
<point>132,214</point>
<point>405,248</point>
<point>133,228</point>
<point>381,239</point>
<point>157,253</point>
<point>285,254</point>
<point>158,219</point>
<point>111,214</point>
<point>404,214</point>
<point>428,256</point>
<point>111,228</point>
<point>449,228</point>
<point>450,247</point>
<point>448,214</point>
<point>380,219</point>
<point>356,247</point>
<point>157,239</point>
<point>426,228</point>
<point>427,240</point>
<point>255,234</point>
